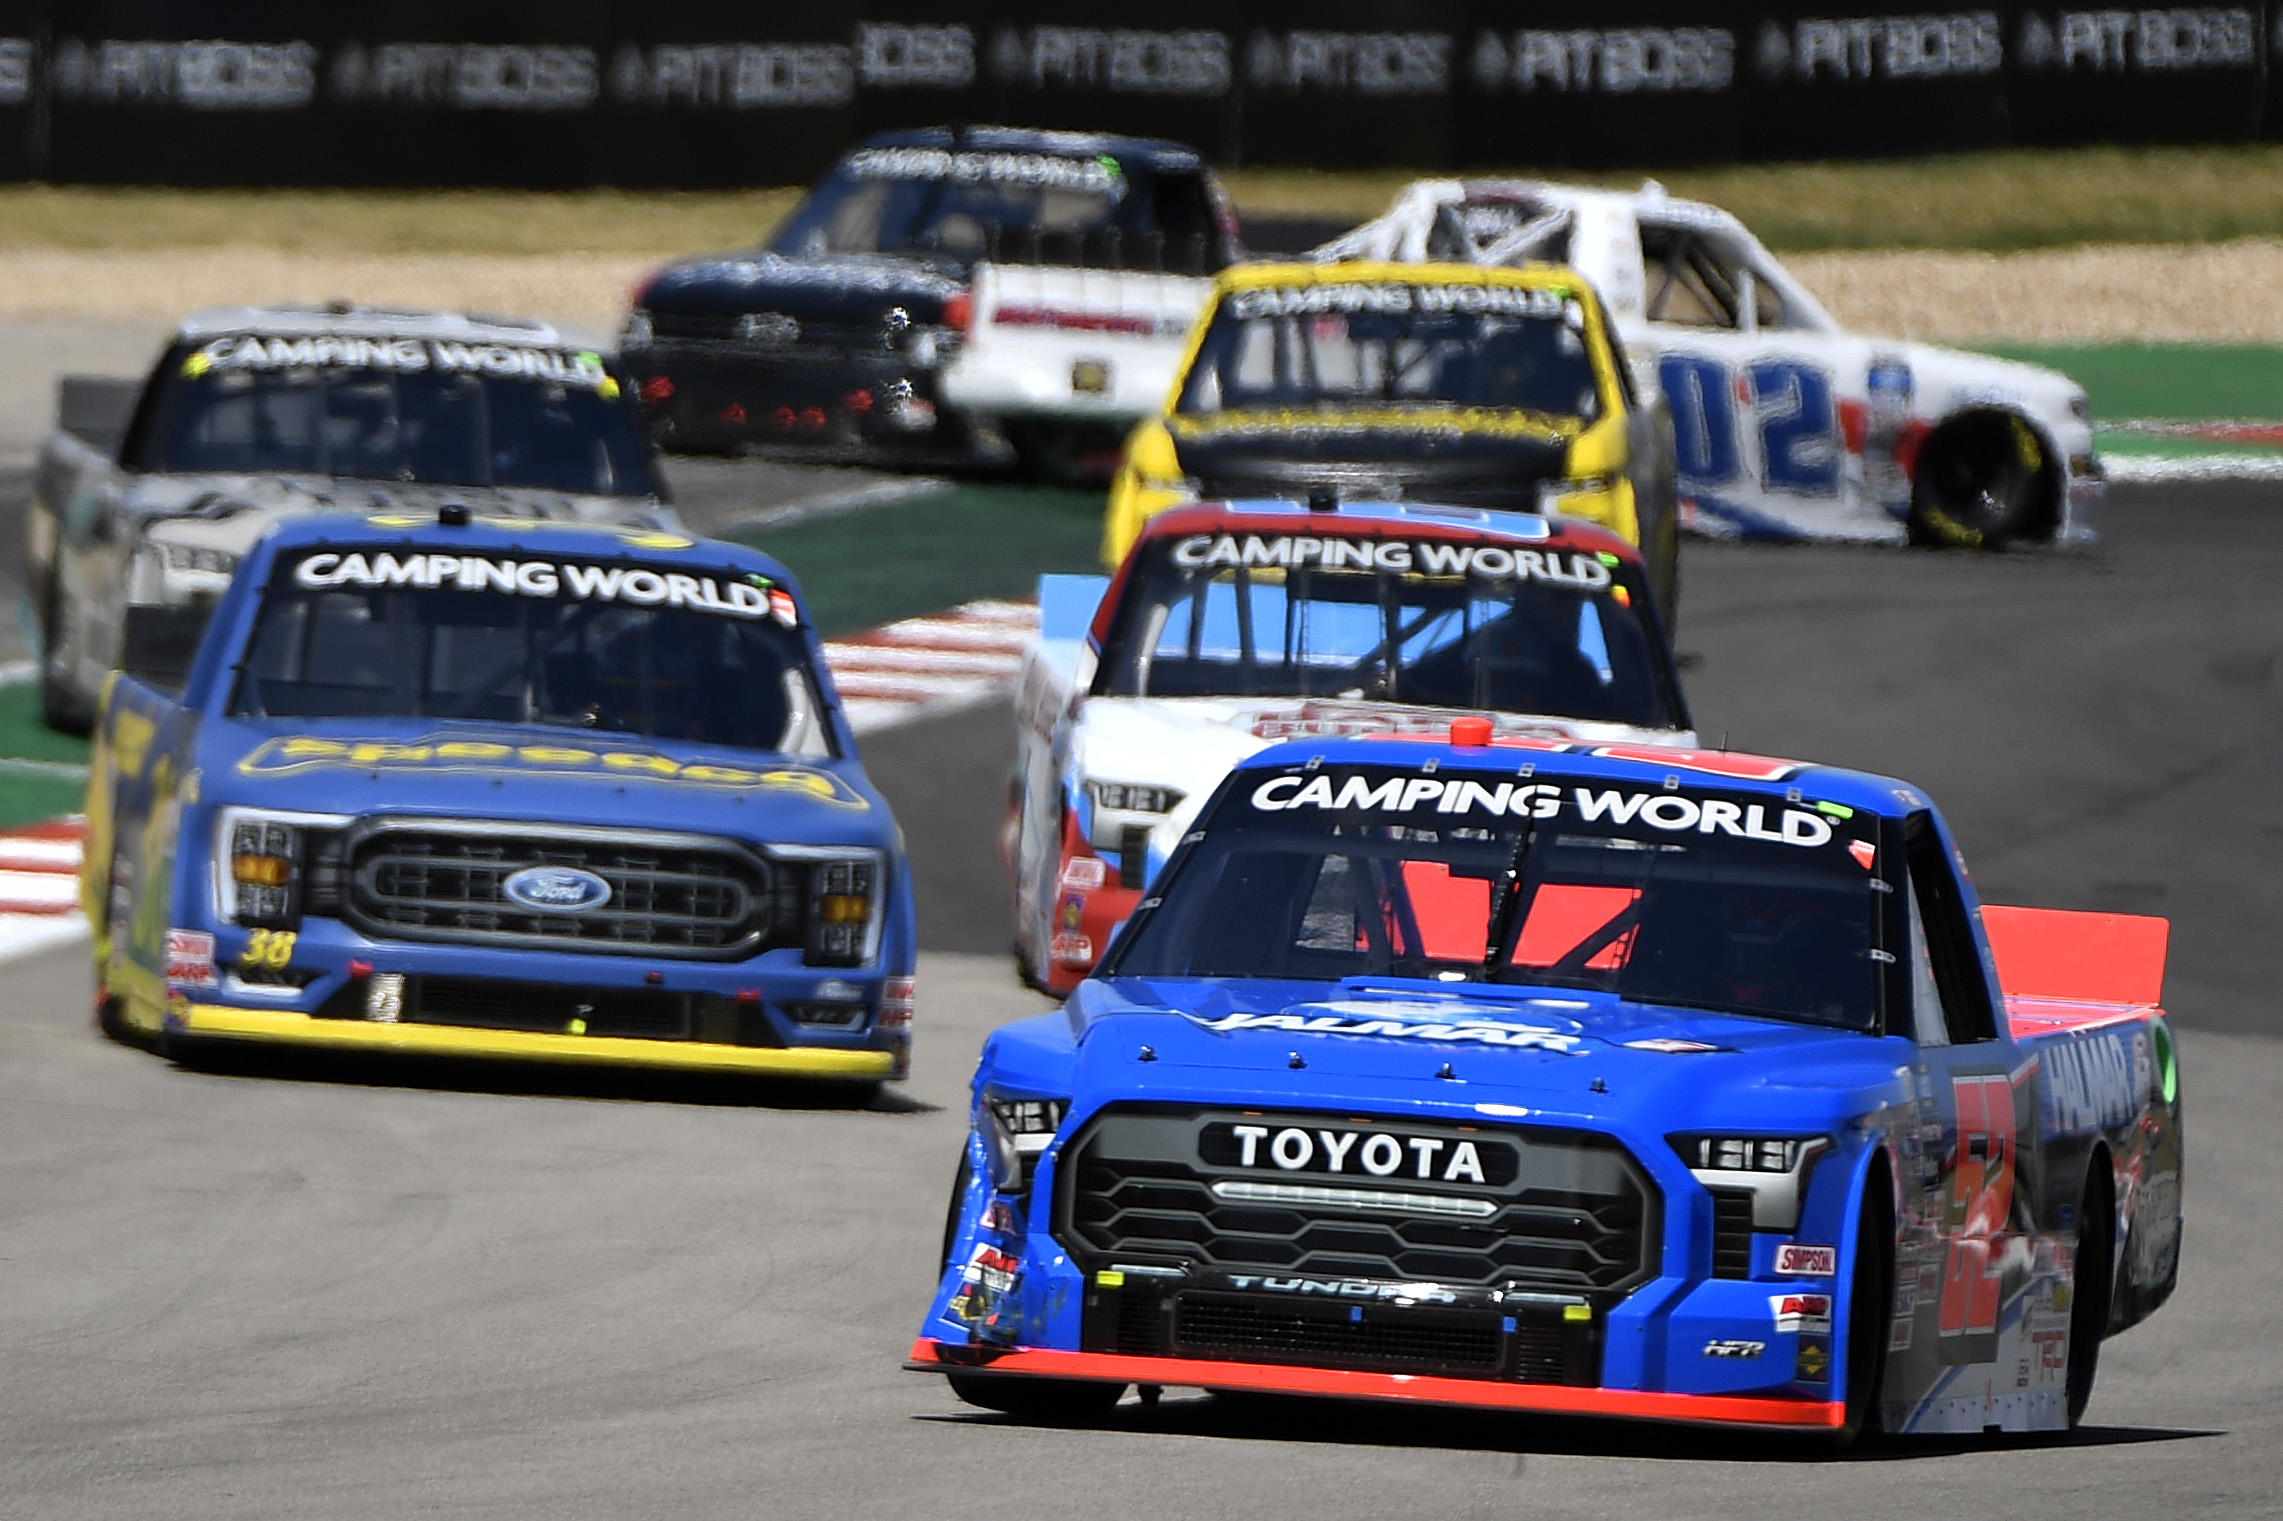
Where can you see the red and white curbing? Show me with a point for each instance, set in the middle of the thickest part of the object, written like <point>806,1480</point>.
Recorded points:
<point>917,668</point>
<point>39,887</point>
<point>924,666</point>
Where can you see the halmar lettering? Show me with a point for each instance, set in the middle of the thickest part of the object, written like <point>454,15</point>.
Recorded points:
<point>1483,1032</point>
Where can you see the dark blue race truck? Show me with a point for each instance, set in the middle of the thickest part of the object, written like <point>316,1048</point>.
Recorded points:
<point>496,788</point>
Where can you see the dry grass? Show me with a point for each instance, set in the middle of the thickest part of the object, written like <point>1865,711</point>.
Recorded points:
<point>1995,202</point>
<point>2226,293</point>
<point>388,222</point>
<point>2231,292</point>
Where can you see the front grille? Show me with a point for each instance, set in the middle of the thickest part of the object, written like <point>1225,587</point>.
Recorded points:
<point>1731,1233</point>
<point>1575,1215</point>
<point>547,1009</point>
<point>1228,1324</point>
<point>670,895</point>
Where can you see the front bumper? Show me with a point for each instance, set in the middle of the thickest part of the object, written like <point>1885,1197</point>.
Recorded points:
<point>268,1026</point>
<point>931,1356</point>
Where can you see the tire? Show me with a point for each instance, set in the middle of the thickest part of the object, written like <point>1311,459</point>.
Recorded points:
<point>63,710</point>
<point>959,1181</point>
<point>1983,481</point>
<point>2090,1299</point>
<point>1040,1401</point>
<point>1870,1301</point>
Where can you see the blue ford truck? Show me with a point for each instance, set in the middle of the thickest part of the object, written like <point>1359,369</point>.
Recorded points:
<point>491,787</point>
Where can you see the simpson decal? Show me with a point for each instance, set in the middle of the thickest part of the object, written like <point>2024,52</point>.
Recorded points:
<point>1400,300</point>
<point>1796,1261</point>
<point>543,578</point>
<point>1424,557</point>
<point>1668,812</point>
<point>285,757</point>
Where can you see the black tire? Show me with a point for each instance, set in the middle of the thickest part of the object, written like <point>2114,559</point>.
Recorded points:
<point>1983,481</point>
<point>2094,1292</point>
<point>951,1210</point>
<point>63,710</point>
<point>1040,1401</point>
<point>108,1020</point>
<point>1870,1303</point>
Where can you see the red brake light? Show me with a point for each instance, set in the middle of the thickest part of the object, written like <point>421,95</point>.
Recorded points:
<point>958,312</point>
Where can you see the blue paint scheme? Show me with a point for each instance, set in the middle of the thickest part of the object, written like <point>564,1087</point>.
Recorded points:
<point>1885,1105</point>
<point>155,813</point>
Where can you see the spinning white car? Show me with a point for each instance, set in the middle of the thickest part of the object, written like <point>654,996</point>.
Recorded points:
<point>1786,425</point>
<point>1231,626</point>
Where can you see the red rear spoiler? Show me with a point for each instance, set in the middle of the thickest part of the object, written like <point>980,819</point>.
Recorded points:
<point>2057,955</point>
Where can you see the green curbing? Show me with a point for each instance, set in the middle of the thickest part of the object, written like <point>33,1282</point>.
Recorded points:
<point>923,554</point>
<point>2173,382</point>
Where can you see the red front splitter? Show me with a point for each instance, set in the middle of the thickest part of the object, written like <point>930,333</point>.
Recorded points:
<point>931,1356</point>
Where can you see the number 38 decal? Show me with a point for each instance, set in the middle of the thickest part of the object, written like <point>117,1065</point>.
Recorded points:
<point>1797,420</point>
<point>269,950</point>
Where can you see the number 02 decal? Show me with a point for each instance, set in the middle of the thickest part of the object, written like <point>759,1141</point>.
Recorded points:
<point>1981,1201</point>
<point>1797,419</point>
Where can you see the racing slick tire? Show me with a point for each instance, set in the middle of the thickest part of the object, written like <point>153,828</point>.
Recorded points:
<point>61,708</point>
<point>2091,1297</point>
<point>1870,1301</point>
<point>1039,1401</point>
<point>1983,480</point>
<point>1042,1401</point>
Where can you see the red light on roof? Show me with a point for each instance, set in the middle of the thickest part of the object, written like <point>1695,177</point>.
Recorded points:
<point>1470,731</point>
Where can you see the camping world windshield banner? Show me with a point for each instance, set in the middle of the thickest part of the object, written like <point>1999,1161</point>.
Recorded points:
<point>611,92</point>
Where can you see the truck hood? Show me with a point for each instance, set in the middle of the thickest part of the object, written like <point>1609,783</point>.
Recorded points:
<point>1953,376</point>
<point>835,288</point>
<point>438,769</point>
<point>230,512</point>
<point>1502,1051</point>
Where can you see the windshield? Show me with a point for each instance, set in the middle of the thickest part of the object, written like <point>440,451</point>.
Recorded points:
<point>614,649</point>
<point>1680,896</point>
<point>446,414</point>
<point>1335,347</point>
<point>1028,208</point>
<point>1434,622</point>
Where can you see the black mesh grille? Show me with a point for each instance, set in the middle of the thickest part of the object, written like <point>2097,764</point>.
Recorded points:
<point>547,1009</point>
<point>1577,1215</point>
<point>1335,1334</point>
<point>670,895</point>
<point>1731,1233</point>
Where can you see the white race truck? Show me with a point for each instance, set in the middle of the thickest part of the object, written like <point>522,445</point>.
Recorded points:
<point>1787,426</point>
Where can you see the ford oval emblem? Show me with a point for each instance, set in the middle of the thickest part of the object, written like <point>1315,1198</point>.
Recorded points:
<point>556,890</point>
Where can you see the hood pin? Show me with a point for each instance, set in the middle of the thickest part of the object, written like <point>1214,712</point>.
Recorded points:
<point>1296,1061</point>
<point>1447,1073</point>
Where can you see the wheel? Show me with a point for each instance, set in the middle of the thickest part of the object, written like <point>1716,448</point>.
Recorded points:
<point>959,1180</point>
<point>1042,1401</point>
<point>1870,1301</point>
<point>2089,1299</point>
<point>1983,481</point>
<point>65,710</point>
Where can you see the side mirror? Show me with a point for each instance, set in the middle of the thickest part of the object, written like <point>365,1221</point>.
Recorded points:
<point>158,643</point>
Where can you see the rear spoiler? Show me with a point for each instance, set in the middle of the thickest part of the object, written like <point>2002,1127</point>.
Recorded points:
<point>2065,956</point>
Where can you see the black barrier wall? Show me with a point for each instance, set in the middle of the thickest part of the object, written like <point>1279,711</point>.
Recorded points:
<point>704,92</point>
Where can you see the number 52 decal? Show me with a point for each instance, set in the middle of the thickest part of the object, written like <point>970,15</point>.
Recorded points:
<point>1797,417</point>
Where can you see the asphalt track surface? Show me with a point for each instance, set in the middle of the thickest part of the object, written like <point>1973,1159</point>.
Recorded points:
<point>341,1290</point>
